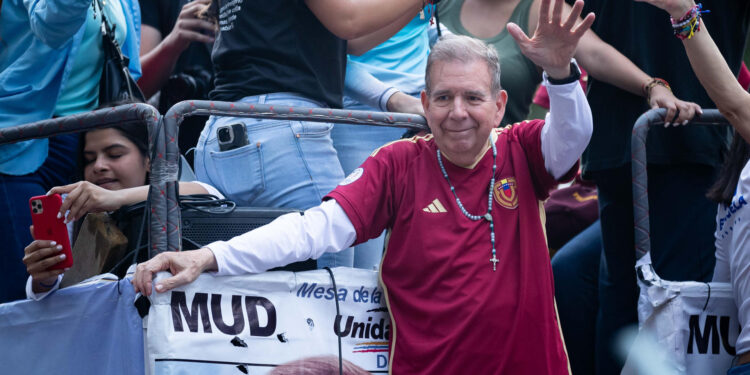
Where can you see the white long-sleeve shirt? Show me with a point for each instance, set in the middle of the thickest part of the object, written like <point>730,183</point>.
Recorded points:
<point>327,228</point>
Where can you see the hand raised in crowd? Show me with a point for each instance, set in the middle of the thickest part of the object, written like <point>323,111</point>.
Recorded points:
<point>553,43</point>
<point>185,267</point>
<point>675,8</point>
<point>38,257</point>
<point>679,112</point>
<point>191,27</point>
<point>84,197</point>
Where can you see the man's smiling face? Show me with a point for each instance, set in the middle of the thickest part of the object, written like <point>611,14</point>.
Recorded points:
<point>461,109</point>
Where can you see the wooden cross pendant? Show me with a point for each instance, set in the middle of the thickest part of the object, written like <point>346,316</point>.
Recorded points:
<point>494,261</point>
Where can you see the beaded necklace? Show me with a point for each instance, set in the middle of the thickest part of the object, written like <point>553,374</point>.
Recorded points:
<point>488,215</point>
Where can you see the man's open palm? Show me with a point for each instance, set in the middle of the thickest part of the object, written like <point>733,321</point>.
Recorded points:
<point>554,42</point>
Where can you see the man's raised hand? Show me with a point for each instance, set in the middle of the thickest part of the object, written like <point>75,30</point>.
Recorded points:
<point>554,42</point>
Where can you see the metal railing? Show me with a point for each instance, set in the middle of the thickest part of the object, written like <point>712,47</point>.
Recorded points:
<point>164,190</point>
<point>640,178</point>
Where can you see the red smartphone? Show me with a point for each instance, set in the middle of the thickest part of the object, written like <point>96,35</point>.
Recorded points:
<point>47,226</point>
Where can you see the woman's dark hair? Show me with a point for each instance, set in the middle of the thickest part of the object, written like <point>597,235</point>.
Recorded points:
<point>136,133</point>
<point>723,189</point>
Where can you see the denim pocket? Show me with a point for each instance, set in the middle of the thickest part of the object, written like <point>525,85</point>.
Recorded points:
<point>239,172</point>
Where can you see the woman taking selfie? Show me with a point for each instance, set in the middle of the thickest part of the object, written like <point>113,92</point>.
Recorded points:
<point>115,166</point>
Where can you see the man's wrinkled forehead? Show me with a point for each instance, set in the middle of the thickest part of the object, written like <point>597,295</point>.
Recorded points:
<point>441,70</point>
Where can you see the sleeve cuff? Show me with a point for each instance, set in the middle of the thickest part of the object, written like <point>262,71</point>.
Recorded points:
<point>39,296</point>
<point>210,189</point>
<point>218,248</point>
<point>385,96</point>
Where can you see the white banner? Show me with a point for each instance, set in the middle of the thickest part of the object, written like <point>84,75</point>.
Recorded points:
<point>254,323</point>
<point>690,327</point>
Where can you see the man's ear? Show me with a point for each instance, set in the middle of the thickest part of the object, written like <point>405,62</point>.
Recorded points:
<point>425,101</point>
<point>500,102</point>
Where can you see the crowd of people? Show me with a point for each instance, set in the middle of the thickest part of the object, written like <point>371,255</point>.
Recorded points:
<point>456,210</point>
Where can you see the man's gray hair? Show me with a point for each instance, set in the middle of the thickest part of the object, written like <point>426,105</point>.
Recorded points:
<point>464,49</point>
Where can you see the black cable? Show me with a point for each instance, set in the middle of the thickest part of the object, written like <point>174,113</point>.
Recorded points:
<point>708,297</point>
<point>197,245</point>
<point>338,312</point>
<point>437,21</point>
<point>124,258</point>
<point>146,215</point>
<point>200,202</point>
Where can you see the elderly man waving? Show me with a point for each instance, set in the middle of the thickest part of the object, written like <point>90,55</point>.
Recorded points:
<point>466,270</point>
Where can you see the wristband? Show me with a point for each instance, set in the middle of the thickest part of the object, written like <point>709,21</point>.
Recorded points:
<point>648,86</point>
<point>575,75</point>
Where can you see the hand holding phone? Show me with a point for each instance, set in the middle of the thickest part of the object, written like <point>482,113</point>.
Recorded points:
<point>48,227</point>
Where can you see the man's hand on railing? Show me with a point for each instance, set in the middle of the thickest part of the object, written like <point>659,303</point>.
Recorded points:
<point>185,267</point>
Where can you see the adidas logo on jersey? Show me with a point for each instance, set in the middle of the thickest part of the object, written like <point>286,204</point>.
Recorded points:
<point>435,207</point>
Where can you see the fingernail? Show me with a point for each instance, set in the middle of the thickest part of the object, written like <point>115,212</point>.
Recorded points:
<point>159,287</point>
<point>59,215</point>
<point>666,124</point>
<point>685,122</point>
<point>58,247</point>
<point>62,256</point>
<point>53,243</point>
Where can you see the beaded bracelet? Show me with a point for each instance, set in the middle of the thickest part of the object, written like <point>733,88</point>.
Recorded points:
<point>689,24</point>
<point>650,85</point>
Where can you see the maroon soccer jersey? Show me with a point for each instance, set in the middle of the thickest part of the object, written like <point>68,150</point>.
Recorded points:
<point>451,313</point>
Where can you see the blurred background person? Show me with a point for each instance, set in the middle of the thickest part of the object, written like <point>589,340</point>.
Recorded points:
<point>176,41</point>
<point>51,61</point>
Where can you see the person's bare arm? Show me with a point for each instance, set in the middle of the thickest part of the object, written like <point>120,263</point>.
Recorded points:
<point>605,63</point>
<point>365,43</point>
<point>159,54</point>
<point>712,70</point>
<point>84,197</point>
<point>352,19</point>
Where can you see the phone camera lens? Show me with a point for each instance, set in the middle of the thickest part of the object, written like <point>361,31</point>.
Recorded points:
<point>224,135</point>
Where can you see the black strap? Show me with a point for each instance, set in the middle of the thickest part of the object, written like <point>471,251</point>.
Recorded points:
<point>338,312</point>
<point>707,297</point>
<point>437,21</point>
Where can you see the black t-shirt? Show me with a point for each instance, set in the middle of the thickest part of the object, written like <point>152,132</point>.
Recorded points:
<point>642,32</point>
<point>162,15</point>
<point>276,46</point>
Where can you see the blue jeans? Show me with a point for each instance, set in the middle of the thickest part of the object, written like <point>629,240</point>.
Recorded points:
<point>290,164</point>
<point>740,370</point>
<point>354,143</point>
<point>682,223</point>
<point>15,218</point>
<point>576,270</point>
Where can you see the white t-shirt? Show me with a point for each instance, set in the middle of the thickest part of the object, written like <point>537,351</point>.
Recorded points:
<point>733,253</point>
